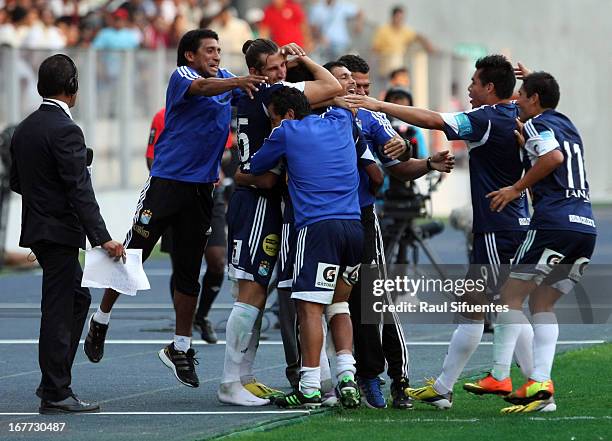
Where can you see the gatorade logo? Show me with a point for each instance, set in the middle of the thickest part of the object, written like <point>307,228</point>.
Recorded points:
<point>326,276</point>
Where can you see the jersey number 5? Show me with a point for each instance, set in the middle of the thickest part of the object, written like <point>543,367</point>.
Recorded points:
<point>243,144</point>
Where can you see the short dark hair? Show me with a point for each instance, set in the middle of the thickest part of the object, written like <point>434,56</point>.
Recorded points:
<point>54,76</point>
<point>355,63</point>
<point>253,49</point>
<point>396,9</point>
<point>18,13</point>
<point>286,98</point>
<point>331,64</point>
<point>498,70</point>
<point>545,85</point>
<point>190,42</point>
<point>395,93</point>
<point>398,71</point>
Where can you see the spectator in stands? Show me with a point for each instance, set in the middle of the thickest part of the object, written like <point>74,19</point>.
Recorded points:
<point>392,40</point>
<point>167,9</point>
<point>45,34</point>
<point>192,11</point>
<point>14,31</point>
<point>178,28</point>
<point>284,22</point>
<point>155,34</point>
<point>69,30</point>
<point>254,17</point>
<point>329,21</point>
<point>118,35</point>
<point>232,32</point>
<point>398,78</point>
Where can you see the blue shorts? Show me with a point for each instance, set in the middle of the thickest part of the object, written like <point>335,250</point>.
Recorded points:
<point>326,250</point>
<point>253,234</point>
<point>286,255</point>
<point>492,255</point>
<point>554,258</point>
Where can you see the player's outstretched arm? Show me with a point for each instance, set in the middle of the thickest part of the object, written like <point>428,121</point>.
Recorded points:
<point>216,86</point>
<point>324,87</point>
<point>544,166</point>
<point>415,168</point>
<point>424,118</point>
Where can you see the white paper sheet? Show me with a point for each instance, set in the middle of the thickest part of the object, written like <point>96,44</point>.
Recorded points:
<point>102,271</point>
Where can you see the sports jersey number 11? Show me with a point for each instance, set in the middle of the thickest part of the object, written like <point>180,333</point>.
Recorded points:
<point>570,172</point>
<point>243,144</point>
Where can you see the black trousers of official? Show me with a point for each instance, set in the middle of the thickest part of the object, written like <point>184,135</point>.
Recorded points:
<point>373,345</point>
<point>64,307</point>
<point>290,335</point>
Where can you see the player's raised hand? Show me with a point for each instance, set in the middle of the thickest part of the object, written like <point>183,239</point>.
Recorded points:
<point>395,147</point>
<point>443,161</point>
<point>363,101</point>
<point>502,197</point>
<point>250,83</point>
<point>521,71</point>
<point>520,136</point>
<point>292,49</point>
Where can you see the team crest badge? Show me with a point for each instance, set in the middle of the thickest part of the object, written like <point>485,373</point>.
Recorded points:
<point>264,268</point>
<point>145,217</point>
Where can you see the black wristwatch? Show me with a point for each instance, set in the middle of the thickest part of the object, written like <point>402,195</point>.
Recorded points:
<point>429,167</point>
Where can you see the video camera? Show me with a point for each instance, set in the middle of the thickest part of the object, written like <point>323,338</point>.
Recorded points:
<point>403,199</point>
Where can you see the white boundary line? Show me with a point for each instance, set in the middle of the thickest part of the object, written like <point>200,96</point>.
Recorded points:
<point>167,306</point>
<point>220,412</point>
<point>28,341</point>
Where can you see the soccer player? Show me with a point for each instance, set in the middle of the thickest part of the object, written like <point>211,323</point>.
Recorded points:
<point>215,246</point>
<point>322,169</point>
<point>371,348</point>
<point>254,218</point>
<point>495,162</point>
<point>178,193</point>
<point>558,246</point>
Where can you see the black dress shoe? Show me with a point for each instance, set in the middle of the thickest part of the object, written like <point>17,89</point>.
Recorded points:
<point>94,342</point>
<point>72,404</point>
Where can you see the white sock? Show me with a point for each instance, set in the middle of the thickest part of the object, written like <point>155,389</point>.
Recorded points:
<point>310,379</point>
<point>507,331</point>
<point>238,335</point>
<point>326,377</point>
<point>345,366</point>
<point>102,317</point>
<point>182,343</point>
<point>463,343</point>
<point>546,333</point>
<point>246,367</point>
<point>523,352</point>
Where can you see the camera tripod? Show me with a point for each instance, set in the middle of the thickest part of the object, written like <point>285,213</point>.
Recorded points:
<point>404,240</point>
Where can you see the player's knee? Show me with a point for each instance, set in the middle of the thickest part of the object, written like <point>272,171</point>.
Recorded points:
<point>335,309</point>
<point>187,287</point>
<point>215,259</point>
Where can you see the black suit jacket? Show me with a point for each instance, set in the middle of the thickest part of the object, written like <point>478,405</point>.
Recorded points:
<point>49,170</point>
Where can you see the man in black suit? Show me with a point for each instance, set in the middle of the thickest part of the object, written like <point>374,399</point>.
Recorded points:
<point>49,170</point>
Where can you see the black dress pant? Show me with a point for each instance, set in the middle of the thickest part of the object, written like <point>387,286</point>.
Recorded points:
<point>64,307</point>
<point>381,343</point>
